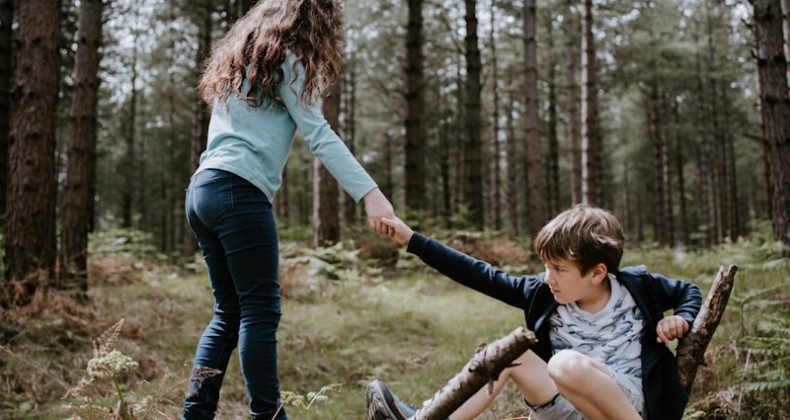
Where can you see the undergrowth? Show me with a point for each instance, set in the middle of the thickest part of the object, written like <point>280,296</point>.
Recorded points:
<point>359,310</point>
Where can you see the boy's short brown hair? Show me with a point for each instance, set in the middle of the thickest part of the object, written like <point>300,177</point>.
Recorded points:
<point>585,235</point>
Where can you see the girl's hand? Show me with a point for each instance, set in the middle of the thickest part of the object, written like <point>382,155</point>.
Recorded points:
<point>670,328</point>
<point>376,207</point>
<point>401,232</point>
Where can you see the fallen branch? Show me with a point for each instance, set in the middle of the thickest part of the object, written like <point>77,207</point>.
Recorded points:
<point>484,367</point>
<point>691,349</point>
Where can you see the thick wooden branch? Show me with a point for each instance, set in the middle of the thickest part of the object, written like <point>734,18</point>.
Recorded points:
<point>691,349</point>
<point>484,367</point>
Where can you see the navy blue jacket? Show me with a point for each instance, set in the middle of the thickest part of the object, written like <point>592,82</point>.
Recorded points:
<point>665,398</point>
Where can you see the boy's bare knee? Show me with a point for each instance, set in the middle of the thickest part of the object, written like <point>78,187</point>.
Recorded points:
<point>568,367</point>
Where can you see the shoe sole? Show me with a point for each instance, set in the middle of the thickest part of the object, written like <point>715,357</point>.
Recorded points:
<point>378,409</point>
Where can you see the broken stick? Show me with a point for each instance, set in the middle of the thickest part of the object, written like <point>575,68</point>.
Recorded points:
<point>691,349</point>
<point>484,367</point>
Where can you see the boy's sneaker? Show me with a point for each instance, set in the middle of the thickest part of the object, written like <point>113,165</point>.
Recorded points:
<point>384,405</point>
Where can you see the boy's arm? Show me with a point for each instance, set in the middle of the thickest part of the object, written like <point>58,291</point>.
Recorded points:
<point>684,298</point>
<point>464,269</point>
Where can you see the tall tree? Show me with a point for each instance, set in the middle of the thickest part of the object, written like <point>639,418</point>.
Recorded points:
<point>30,228</point>
<point>591,144</point>
<point>129,135</point>
<point>661,188</point>
<point>496,169</point>
<point>6,71</point>
<point>414,170</point>
<point>535,197</point>
<point>512,166</point>
<point>774,109</point>
<point>200,118</point>
<point>77,212</point>
<point>349,107</point>
<point>205,24</point>
<point>473,168</point>
<point>786,26</point>
<point>326,217</point>
<point>553,159</point>
<point>572,129</point>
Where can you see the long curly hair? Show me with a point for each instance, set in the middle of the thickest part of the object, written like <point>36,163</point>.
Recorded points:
<point>260,42</point>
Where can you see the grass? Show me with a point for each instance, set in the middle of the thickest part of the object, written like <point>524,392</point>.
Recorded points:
<point>405,325</point>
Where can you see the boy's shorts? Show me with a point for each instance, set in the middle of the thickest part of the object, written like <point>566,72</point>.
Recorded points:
<point>561,409</point>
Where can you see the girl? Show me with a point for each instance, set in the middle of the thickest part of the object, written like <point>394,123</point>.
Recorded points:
<point>263,80</point>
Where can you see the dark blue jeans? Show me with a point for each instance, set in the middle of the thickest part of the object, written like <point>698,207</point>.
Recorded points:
<point>235,228</point>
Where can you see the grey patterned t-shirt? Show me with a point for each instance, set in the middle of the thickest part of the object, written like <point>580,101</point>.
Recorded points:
<point>611,336</point>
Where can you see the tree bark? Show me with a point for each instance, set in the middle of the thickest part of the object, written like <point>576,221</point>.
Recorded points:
<point>573,131</point>
<point>774,109</point>
<point>535,197</point>
<point>553,160</point>
<point>473,179</point>
<point>200,116</point>
<point>326,217</point>
<point>786,32</point>
<point>512,166</point>
<point>691,349</point>
<point>414,170</point>
<point>30,245</point>
<point>6,73</point>
<point>591,153</point>
<point>130,160</point>
<point>703,166</point>
<point>349,98</point>
<point>717,197</point>
<point>680,163</point>
<point>484,367</point>
<point>497,170</point>
<point>77,212</point>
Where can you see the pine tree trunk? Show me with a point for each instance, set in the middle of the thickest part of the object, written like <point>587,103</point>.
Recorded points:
<point>326,216</point>
<point>30,250</point>
<point>535,198</point>
<point>553,165</point>
<point>130,159</point>
<point>591,153</point>
<point>6,73</point>
<point>680,163</point>
<point>666,188</point>
<point>200,116</point>
<point>786,31</point>
<point>473,179</point>
<point>76,212</point>
<point>350,110</point>
<point>703,165</point>
<point>444,171</point>
<point>774,109</point>
<point>512,166</point>
<point>660,225</point>
<point>715,156</point>
<point>572,129</point>
<point>414,170</point>
<point>627,210</point>
<point>730,183</point>
<point>497,158</point>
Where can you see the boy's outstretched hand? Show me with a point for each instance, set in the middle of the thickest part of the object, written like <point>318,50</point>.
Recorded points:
<point>670,328</point>
<point>400,232</point>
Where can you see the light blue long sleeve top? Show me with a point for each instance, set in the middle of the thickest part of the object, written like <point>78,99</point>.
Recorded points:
<point>254,142</point>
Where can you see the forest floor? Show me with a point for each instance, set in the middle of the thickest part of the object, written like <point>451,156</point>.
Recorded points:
<point>352,314</point>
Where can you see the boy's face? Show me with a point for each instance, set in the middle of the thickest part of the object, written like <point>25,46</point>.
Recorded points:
<point>567,282</point>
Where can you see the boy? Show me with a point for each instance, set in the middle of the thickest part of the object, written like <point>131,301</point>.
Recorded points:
<point>601,331</point>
